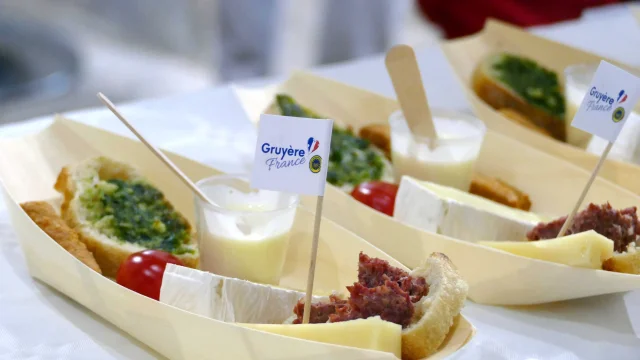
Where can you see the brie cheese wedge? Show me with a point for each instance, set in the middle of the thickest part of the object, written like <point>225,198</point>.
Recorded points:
<point>458,214</point>
<point>227,299</point>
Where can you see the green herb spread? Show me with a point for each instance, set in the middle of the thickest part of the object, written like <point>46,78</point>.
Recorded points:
<point>534,83</point>
<point>136,212</point>
<point>352,160</point>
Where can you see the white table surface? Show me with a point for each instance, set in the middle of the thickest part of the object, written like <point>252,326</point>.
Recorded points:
<point>36,322</point>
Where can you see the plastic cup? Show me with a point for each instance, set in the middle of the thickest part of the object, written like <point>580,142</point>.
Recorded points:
<point>245,234</point>
<point>450,160</point>
<point>577,79</point>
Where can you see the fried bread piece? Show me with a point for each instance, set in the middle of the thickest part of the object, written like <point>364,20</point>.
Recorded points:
<point>44,215</point>
<point>379,135</point>
<point>499,191</point>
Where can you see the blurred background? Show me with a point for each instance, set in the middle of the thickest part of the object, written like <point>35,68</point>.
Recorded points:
<point>55,55</point>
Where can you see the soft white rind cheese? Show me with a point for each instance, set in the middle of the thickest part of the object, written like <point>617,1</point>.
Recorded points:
<point>227,299</point>
<point>455,213</point>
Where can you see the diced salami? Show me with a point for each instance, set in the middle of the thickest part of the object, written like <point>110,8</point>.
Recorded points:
<point>320,311</point>
<point>388,301</point>
<point>621,226</point>
<point>374,272</point>
<point>382,290</point>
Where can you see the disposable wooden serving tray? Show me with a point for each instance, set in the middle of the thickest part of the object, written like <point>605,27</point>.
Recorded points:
<point>466,53</point>
<point>495,277</point>
<point>28,169</point>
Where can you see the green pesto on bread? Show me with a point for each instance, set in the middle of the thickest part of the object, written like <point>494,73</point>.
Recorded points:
<point>510,81</point>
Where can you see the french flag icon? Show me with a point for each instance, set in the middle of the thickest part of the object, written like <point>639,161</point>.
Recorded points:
<point>312,145</point>
<point>622,97</point>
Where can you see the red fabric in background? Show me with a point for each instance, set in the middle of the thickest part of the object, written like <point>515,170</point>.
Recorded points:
<point>464,17</point>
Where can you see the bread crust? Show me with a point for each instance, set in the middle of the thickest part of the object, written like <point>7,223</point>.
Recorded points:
<point>379,135</point>
<point>627,262</point>
<point>515,116</point>
<point>499,191</point>
<point>499,96</point>
<point>108,253</point>
<point>436,312</point>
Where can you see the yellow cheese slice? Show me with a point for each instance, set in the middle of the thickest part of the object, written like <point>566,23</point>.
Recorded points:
<point>372,333</point>
<point>587,249</point>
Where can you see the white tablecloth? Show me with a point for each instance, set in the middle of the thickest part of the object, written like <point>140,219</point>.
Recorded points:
<point>36,322</point>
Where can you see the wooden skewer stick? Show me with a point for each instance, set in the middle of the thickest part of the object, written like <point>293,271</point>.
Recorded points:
<point>154,150</point>
<point>567,224</point>
<point>312,263</point>
<point>407,82</point>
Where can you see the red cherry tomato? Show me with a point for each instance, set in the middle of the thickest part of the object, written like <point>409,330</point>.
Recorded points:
<point>142,272</point>
<point>377,194</point>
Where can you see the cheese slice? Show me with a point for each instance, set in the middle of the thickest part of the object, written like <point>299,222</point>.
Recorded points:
<point>270,309</point>
<point>455,213</point>
<point>372,333</point>
<point>227,299</point>
<point>586,249</point>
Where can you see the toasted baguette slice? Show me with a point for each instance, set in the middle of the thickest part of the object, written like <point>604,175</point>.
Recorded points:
<point>514,115</point>
<point>108,250</point>
<point>499,191</point>
<point>499,95</point>
<point>627,262</point>
<point>436,312</point>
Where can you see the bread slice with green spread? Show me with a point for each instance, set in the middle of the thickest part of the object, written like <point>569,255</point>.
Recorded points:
<point>117,212</point>
<point>505,80</point>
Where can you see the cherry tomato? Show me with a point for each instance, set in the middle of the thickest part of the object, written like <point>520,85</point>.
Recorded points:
<point>379,195</point>
<point>142,272</point>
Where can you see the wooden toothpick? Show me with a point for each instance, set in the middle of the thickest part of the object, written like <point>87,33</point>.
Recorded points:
<point>312,263</point>
<point>154,150</point>
<point>567,224</point>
